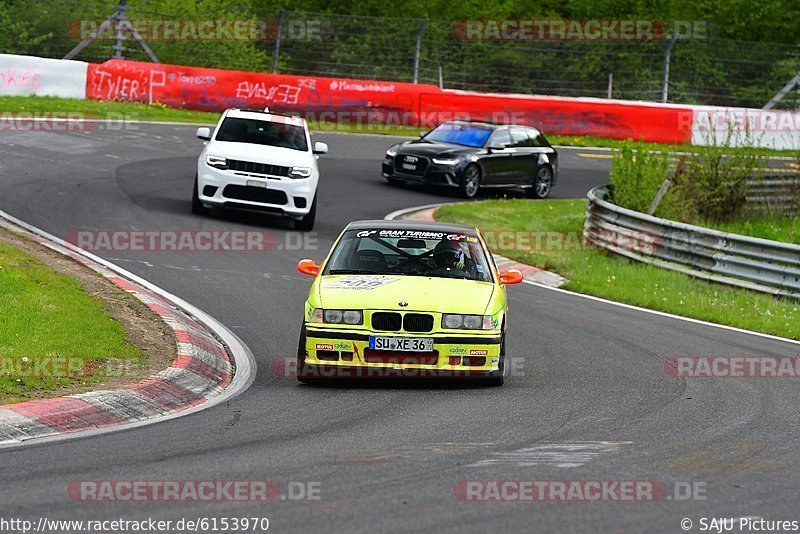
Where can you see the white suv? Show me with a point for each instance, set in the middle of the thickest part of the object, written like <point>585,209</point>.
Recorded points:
<point>259,160</point>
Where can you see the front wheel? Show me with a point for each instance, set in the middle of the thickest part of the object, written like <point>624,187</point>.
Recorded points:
<point>197,207</point>
<point>306,223</point>
<point>470,181</point>
<point>542,183</point>
<point>303,373</point>
<point>496,378</point>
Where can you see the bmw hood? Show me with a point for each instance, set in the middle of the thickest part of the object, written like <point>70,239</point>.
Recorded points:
<point>422,293</point>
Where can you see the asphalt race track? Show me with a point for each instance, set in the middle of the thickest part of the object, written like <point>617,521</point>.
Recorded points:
<point>589,399</point>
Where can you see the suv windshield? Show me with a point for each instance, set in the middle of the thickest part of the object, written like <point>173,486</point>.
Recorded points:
<point>473,135</point>
<point>411,253</point>
<point>256,132</point>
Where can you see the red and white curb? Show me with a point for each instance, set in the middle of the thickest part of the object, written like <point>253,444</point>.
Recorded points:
<point>531,273</point>
<point>202,374</point>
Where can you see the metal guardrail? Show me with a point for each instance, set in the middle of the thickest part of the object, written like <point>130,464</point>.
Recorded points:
<point>749,262</point>
<point>779,190</point>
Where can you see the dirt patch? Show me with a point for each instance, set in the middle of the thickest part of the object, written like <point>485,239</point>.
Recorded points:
<point>144,328</point>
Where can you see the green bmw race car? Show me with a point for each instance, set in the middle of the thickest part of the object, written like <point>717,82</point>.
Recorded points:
<point>405,298</point>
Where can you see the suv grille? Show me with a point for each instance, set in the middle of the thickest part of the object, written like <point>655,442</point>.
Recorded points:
<point>386,321</point>
<point>257,168</point>
<point>255,194</point>
<point>418,322</point>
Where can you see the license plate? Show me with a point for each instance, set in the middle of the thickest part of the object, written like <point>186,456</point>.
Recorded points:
<point>403,344</point>
<point>256,183</point>
<point>409,166</point>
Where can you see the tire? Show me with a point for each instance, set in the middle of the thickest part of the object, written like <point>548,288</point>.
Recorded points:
<point>496,378</point>
<point>470,181</point>
<point>197,206</point>
<point>542,183</point>
<point>303,374</point>
<point>306,224</point>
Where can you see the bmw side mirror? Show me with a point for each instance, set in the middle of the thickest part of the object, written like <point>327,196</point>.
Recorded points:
<point>308,267</point>
<point>511,276</point>
<point>320,148</point>
<point>203,133</point>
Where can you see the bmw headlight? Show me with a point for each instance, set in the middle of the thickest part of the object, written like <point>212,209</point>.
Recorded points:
<point>453,321</point>
<point>217,162</point>
<point>445,161</point>
<point>342,317</point>
<point>300,172</point>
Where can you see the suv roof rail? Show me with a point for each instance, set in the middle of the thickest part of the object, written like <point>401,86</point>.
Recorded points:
<point>268,111</point>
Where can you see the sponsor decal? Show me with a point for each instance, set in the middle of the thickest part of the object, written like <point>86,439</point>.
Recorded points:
<point>360,283</point>
<point>324,346</point>
<point>478,352</point>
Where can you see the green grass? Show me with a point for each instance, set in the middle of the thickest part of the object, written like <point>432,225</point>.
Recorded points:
<point>159,112</point>
<point>776,227</point>
<point>598,273</point>
<point>47,317</point>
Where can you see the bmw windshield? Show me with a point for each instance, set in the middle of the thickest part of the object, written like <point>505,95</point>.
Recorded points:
<point>410,252</point>
<point>472,135</point>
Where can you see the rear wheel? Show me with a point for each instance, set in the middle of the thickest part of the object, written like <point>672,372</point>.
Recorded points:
<point>470,181</point>
<point>306,223</point>
<point>197,207</point>
<point>542,183</point>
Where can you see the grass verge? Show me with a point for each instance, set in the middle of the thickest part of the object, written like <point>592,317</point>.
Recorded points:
<point>54,337</point>
<point>547,234</point>
<point>159,112</point>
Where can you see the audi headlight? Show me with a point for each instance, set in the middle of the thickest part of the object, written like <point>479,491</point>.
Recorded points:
<point>453,321</point>
<point>445,161</point>
<point>391,153</point>
<point>342,316</point>
<point>216,161</point>
<point>300,172</point>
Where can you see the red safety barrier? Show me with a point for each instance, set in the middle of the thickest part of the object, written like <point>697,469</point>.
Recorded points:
<point>571,116</point>
<point>371,102</point>
<point>331,99</point>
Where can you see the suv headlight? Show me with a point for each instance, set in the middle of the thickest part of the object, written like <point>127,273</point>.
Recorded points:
<point>453,321</point>
<point>300,172</point>
<point>445,161</point>
<point>337,316</point>
<point>217,162</point>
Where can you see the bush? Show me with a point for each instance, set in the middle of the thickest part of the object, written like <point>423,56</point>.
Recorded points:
<point>708,185</point>
<point>636,176</point>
